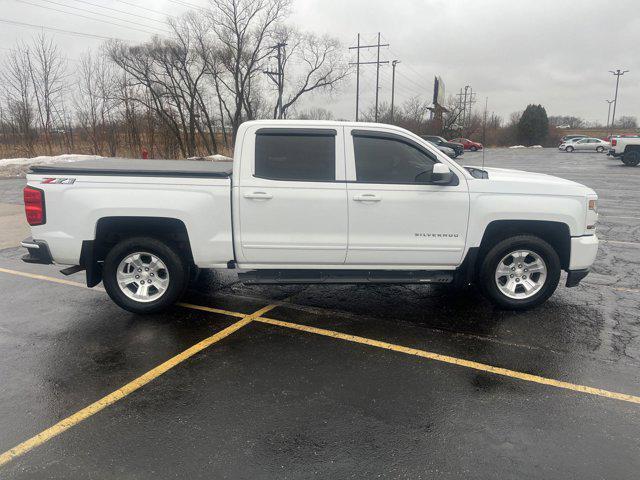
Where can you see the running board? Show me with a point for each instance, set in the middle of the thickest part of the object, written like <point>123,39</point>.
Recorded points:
<point>262,277</point>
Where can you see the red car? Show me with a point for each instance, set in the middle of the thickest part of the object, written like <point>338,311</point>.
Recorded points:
<point>468,144</point>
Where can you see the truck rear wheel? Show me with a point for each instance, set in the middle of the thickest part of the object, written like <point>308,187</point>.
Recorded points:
<point>520,272</point>
<point>144,275</point>
<point>632,158</point>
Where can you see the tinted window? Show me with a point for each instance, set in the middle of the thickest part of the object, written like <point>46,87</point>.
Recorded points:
<point>307,158</point>
<point>385,160</point>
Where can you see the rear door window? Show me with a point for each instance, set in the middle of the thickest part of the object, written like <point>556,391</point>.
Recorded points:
<point>304,155</point>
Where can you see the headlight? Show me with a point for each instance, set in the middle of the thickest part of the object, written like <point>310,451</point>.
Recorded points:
<point>592,214</point>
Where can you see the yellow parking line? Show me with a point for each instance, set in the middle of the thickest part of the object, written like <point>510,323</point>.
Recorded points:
<point>48,279</point>
<point>130,387</point>
<point>623,289</point>
<point>453,360</point>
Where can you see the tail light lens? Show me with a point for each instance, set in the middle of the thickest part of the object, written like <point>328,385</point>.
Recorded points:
<point>34,206</point>
<point>614,142</point>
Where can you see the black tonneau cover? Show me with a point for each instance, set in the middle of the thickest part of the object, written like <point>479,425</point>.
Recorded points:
<point>139,168</point>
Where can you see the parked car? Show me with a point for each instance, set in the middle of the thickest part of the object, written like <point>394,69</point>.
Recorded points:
<point>570,137</point>
<point>626,149</point>
<point>586,145</point>
<point>468,144</point>
<point>449,152</point>
<point>458,148</point>
<point>563,145</point>
<point>311,202</point>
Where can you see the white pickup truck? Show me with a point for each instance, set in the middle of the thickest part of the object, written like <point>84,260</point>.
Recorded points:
<point>311,202</point>
<point>626,149</point>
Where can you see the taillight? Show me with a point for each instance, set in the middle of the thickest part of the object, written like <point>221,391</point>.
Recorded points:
<point>614,142</point>
<point>34,205</point>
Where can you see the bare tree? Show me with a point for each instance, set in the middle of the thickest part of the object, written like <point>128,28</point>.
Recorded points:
<point>18,92</point>
<point>243,33</point>
<point>95,100</point>
<point>627,121</point>
<point>47,71</point>
<point>310,63</point>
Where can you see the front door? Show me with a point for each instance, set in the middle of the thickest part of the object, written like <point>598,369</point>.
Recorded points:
<point>293,206</point>
<point>396,219</point>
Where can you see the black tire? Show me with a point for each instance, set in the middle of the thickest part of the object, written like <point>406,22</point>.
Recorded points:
<point>631,159</point>
<point>569,149</point>
<point>474,149</point>
<point>489,264</point>
<point>600,149</point>
<point>177,266</point>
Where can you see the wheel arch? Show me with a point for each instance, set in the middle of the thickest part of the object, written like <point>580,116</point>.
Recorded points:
<point>556,234</point>
<point>110,230</point>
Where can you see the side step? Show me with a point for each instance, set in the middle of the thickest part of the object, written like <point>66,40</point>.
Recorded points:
<point>263,277</point>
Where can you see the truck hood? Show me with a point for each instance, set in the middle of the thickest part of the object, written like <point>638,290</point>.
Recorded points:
<point>520,181</point>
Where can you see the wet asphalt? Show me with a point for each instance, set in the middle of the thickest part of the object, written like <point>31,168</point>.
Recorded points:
<point>272,402</point>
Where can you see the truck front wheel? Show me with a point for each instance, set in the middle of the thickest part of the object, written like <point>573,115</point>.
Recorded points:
<point>520,272</point>
<point>144,275</point>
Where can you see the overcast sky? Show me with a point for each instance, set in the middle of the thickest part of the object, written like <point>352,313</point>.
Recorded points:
<point>556,53</point>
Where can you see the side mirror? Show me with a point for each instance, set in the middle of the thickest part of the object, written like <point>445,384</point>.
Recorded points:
<point>441,174</point>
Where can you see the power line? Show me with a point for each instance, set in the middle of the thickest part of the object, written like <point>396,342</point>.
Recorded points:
<point>96,13</point>
<point>120,11</point>
<point>189,5</point>
<point>84,16</point>
<point>143,8</point>
<point>53,29</point>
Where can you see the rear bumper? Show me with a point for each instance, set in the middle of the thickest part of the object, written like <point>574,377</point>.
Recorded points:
<point>583,252</point>
<point>38,252</point>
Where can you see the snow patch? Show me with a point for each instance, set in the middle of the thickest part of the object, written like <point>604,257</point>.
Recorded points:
<point>66,158</point>
<point>213,158</point>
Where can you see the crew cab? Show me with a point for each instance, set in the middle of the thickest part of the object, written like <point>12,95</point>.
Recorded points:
<point>626,149</point>
<point>311,202</point>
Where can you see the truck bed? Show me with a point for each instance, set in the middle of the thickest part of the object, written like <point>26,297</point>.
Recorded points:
<point>135,167</point>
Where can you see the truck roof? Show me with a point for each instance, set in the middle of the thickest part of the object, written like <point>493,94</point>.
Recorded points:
<point>135,167</point>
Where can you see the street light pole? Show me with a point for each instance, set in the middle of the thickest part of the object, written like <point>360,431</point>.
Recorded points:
<point>618,73</point>
<point>609,112</point>
<point>393,85</point>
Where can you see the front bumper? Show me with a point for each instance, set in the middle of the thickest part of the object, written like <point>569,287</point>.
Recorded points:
<point>38,252</point>
<point>583,252</point>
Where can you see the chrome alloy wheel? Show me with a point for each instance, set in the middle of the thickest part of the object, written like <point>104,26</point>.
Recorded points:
<point>521,274</point>
<point>142,277</point>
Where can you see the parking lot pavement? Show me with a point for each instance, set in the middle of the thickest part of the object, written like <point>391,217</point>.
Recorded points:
<point>344,381</point>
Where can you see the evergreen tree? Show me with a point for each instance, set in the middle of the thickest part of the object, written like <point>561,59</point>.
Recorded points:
<point>533,126</point>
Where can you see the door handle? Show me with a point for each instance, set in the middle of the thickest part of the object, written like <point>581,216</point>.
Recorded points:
<point>367,197</point>
<point>258,195</point>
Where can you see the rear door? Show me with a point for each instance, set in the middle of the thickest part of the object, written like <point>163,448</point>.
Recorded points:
<point>292,199</point>
<point>393,219</point>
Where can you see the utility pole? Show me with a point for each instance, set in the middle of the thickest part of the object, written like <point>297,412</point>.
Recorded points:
<point>609,112</point>
<point>393,84</point>
<point>618,73</point>
<point>460,95</point>
<point>377,63</point>
<point>278,77</point>
<point>464,107</point>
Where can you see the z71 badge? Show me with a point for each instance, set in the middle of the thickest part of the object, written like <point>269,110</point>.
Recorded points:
<point>63,181</point>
